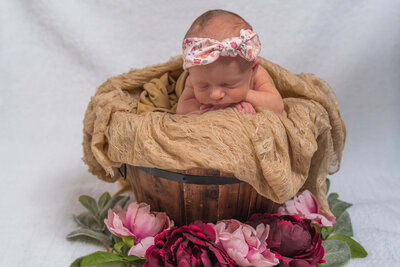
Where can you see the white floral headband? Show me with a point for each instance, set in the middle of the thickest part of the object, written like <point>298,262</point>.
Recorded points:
<point>202,51</point>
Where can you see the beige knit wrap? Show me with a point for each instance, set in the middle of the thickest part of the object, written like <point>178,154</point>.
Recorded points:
<point>277,154</point>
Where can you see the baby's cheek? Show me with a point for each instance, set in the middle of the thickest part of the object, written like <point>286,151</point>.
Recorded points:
<point>200,96</point>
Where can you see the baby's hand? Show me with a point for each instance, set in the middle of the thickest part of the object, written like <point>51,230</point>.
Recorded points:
<point>246,106</point>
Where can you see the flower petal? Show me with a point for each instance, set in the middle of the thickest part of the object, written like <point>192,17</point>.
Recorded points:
<point>139,249</point>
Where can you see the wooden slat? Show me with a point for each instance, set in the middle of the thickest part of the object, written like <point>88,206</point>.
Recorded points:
<point>135,183</point>
<point>267,205</point>
<point>185,203</point>
<point>228,201</point>
<point>201,202</point>
<point>161,194</point>
<point>253,202</point>
<point>244,198</point>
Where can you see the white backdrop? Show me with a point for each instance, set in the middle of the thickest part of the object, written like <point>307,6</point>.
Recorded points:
<point>54,54</point>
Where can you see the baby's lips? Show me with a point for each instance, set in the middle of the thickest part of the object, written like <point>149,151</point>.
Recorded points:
<point>205,106</point>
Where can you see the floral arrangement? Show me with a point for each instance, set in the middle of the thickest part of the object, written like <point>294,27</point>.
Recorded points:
<point>300,234</point>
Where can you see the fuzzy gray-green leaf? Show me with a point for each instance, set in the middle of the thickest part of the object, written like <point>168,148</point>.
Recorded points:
<point>89,203</point>
<point>336,205</point>
<point>84,232</point>
<point>337,253</point>
<point>328,184</point>
<point>357,251</point>
<point>88,220</point>
<point>122,202</point>
<point>343,225</point>
<point>103,200</point>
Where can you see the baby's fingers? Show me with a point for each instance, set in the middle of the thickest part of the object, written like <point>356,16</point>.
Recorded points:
<point>252,109</point>
<point>248,108</point>
<point>239,106</point>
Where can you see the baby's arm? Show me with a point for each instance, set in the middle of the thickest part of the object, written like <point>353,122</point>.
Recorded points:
<point>265,94</point>
<point>187,103</point>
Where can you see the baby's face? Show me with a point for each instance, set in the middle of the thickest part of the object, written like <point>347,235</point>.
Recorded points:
<point>223,82</point>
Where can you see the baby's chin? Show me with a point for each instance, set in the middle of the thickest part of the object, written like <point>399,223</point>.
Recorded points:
<point>218,105</point>
<point>222,105</point>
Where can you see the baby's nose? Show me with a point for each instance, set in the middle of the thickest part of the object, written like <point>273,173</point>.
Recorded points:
<point>217,94</point>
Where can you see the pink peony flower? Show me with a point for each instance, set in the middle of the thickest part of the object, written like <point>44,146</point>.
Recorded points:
<point>139,223</point>
<point>305,205</point>
<point>244,244</point>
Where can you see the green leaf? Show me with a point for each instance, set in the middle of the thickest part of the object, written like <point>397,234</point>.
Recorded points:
<point>77,262</point>
<point>357,251</point>
<point>88,220</point>
<point>133,258</point>
<point>336,253</point>
<point>336,205</point>
<point>100,257</point>
<point>89,203</point>
<point>326,231</point>
<point>118,246</point>
<point>92,234</point>
<point>135,261</point>
<point>317,227</point>
<point>328,184</point>
<point>103,200</point>
<point>116,239</point>
<point>128,240</point>
<point>122,202</point>
<point>343,225</point>
<point>112,264</point>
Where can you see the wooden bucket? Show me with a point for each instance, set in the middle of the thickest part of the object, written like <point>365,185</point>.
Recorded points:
<point>196,194</point>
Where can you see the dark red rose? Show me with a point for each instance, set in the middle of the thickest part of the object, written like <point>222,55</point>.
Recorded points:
<point>294,240</point>
<point>192,245</point>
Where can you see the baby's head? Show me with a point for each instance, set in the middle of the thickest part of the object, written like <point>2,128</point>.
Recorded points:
<point>221,72</point>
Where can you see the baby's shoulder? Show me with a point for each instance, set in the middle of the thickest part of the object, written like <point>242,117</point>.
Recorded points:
<point>261,73</point>
<point>262,78</point>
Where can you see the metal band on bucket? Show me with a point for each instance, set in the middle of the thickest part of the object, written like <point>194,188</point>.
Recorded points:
<point>190,179</point>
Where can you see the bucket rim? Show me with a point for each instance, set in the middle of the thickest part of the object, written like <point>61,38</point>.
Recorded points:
<point>190,179</point>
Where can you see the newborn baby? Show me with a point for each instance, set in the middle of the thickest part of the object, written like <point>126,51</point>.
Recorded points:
<point>220,53</point>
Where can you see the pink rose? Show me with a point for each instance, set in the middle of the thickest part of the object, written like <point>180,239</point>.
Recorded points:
<point>305,205</point>
<point>244,244</point>
<point>139,223</point>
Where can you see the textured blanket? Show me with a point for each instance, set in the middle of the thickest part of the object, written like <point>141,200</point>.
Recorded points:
<point>277,154</point>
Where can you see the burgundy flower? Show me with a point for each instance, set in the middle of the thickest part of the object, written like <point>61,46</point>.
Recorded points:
<point>192,245</point>
<point>294,240</point>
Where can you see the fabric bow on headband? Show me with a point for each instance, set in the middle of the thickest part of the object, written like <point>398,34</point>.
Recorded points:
<point>202,51</point>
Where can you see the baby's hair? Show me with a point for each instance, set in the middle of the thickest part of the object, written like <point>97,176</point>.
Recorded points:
<point>235,23</point>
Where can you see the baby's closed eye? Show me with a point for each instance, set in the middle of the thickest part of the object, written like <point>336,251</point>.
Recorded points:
<point>230,85</point>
